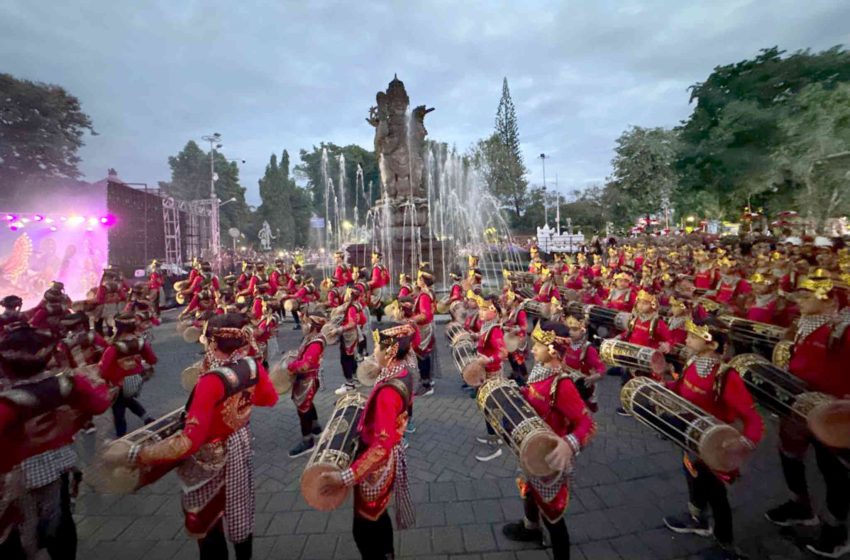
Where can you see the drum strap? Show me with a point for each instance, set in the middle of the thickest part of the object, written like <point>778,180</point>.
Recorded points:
<point>553,389</point>
<point>720,381</point>
<point>236,377</point>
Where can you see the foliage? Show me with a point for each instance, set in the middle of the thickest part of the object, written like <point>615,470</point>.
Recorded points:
<point>286,206</point>
<point>499,159</point>
<point>729,142</point>
<point>816,139</point>
<point>41,130</point>
<point>643,177</point>
<point>190,180</point>
<point>310,171</point>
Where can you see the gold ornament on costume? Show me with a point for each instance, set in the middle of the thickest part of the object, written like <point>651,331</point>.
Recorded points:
<point>545,338</point>
<point>820,286</point>
<point>759,278</point>
<point>643,295</point>
<point>697,330</point>
<point>480,301</point>
<point>574,323</point>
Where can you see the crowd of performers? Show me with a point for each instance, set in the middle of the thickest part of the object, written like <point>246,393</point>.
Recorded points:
<point>701,304</point>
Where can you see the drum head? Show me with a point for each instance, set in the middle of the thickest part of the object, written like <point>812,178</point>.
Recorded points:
<point>442,307</point>
<point>722,450</point>
<point>280,377</point>
<point>533,452</point>
<point>290,305</point>
<point>189,377</point>
<point>317,494</point>
<point>367,371</point>
<point>474,374</point>
<point>192,335</point>
<point>512,342</point>
<point>830,423</point>
<point>657,362</point>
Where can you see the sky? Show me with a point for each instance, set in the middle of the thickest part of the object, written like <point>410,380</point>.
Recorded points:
<point>277,75</point>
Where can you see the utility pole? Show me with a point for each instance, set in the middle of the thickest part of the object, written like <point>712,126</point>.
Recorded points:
<point>558,207</point>
<point>545,204</point>
<point>215,243</point>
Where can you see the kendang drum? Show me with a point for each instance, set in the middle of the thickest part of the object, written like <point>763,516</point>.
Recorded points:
<point>456,333</point>
<point>335,451</point>
<point>116,476</point>
<point>393,311</point>
<point>753,336</point>
<point>443,305</point>
<point>465,355</point>
<point>513,341</point>
<point>633,356</point>
<point>606,321</point>
<point>687,425</point>
<point>189,376</point>
<point>786,395</point>
<point>280,376</point>
<point>291,305</point>
<point>519,426</point>
<point>368,370</point>
<point>329,328</point>
<point>538,309</point>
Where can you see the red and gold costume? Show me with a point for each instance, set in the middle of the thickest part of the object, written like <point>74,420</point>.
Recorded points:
<point>380,462</point>
<point>305,367</point>
<point>215,444</point>
<point>124,357</point>
<point>556,400</point>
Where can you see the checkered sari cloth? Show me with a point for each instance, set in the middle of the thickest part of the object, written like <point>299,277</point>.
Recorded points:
<point>548,487</point>
<point>809,324</point>
<point>237,477</point>
<point>373,487</point>
<point>44,468</point>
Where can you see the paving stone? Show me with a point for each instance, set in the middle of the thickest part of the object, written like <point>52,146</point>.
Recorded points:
<point>460,513</point>
<point>319,547</point>
<point>447,540</point>
<point>478,538</point>
<point>599,551</point>
<point>415,541</point>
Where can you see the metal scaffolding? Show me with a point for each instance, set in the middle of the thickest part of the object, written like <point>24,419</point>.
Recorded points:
<point>198,234</point>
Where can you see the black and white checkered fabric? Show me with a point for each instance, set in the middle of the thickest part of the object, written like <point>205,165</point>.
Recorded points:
<point>810,323</point>
<point>705,364</point>
<point>548,487</point>
<point>44,468</point>
<point>237,476</point>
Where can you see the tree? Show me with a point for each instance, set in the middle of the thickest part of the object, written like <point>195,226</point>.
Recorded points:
<point>816,137</point>
<point>190,180</point>
<point>285,206</point>
<point>501,158</point>
<point>310,171</point>
<point>643,178</point>
<point>41,130</point>
<point>726,157</point>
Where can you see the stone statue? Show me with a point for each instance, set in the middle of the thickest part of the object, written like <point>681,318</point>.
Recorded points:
<point>399,149</point>
<point>265,236</point>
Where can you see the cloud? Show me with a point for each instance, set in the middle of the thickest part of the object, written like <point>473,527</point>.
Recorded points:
<point>275,75</point>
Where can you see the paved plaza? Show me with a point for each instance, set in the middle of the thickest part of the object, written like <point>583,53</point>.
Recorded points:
<point>625,482</point>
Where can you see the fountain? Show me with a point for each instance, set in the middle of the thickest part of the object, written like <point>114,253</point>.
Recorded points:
<point>433,205</point>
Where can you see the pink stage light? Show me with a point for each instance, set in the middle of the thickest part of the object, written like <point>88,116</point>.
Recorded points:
<point>76,220</point>
<point>38,218</point>
<point>13,227</point>
<point>48,220</point>
<point>54,228</point>
<point>108,220</point>
<point>63,219</point>
<point>92,221</point>
<point>10,217</point>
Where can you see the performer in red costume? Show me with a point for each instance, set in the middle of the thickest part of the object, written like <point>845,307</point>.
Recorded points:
<point>380,470</point>
<point>342,272</point>
<point>819,357</point>
<point>545,288</point>
<point>156,286</point>
<point>719,390</point>
<point>48,314</point>
<point>555,399</point>
<point>218,496</point>
<point>122,365</point>
<point>762,303</point>
<point>40,412</point>
<point>705,275</point>
<point>515,323</point>
<point>622,296</point>
<point>11,311</point>
<point>491,348</point>
<point>645,327</point>
<point>81,346</point>
<point>379,279</point>
<point>423,319</point>
<point>581,355</point>
<point>305,371</point>
<point>349,336</point>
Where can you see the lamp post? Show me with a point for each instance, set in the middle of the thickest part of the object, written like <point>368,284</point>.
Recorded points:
<point>215,243</point>
<point>545,205</point>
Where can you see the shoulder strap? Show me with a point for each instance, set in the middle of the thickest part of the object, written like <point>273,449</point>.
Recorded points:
<point>583,353</point>
<point>720,380</point>
<point>553,388</point>
<point>237,376</point>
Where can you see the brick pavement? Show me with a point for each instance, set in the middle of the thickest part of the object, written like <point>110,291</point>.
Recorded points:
<point>624,483</point>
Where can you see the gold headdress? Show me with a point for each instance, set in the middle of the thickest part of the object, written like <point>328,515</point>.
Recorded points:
<point>623,275</point>
<point>697,330</point>
<point>819,283</point>
<point>759,278</point>
<point>573,323</point>
<point>676,303</point>
<point>725,261</point>
<point>479,301</point>
<point>545,338</point>
<point>391,337</point>
<point>643,295</point>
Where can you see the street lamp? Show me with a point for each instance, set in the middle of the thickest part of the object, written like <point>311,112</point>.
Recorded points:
<point>545,206</point>
<point>215,243</point>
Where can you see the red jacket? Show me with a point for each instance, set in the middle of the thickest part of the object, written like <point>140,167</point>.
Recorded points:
<point>735,402</point>
<point>648,332</point>
<point>822,362</point>
<point>584,358</point>
<point>115,366</point>
<point>17,439</point>
<point>491,344</point>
